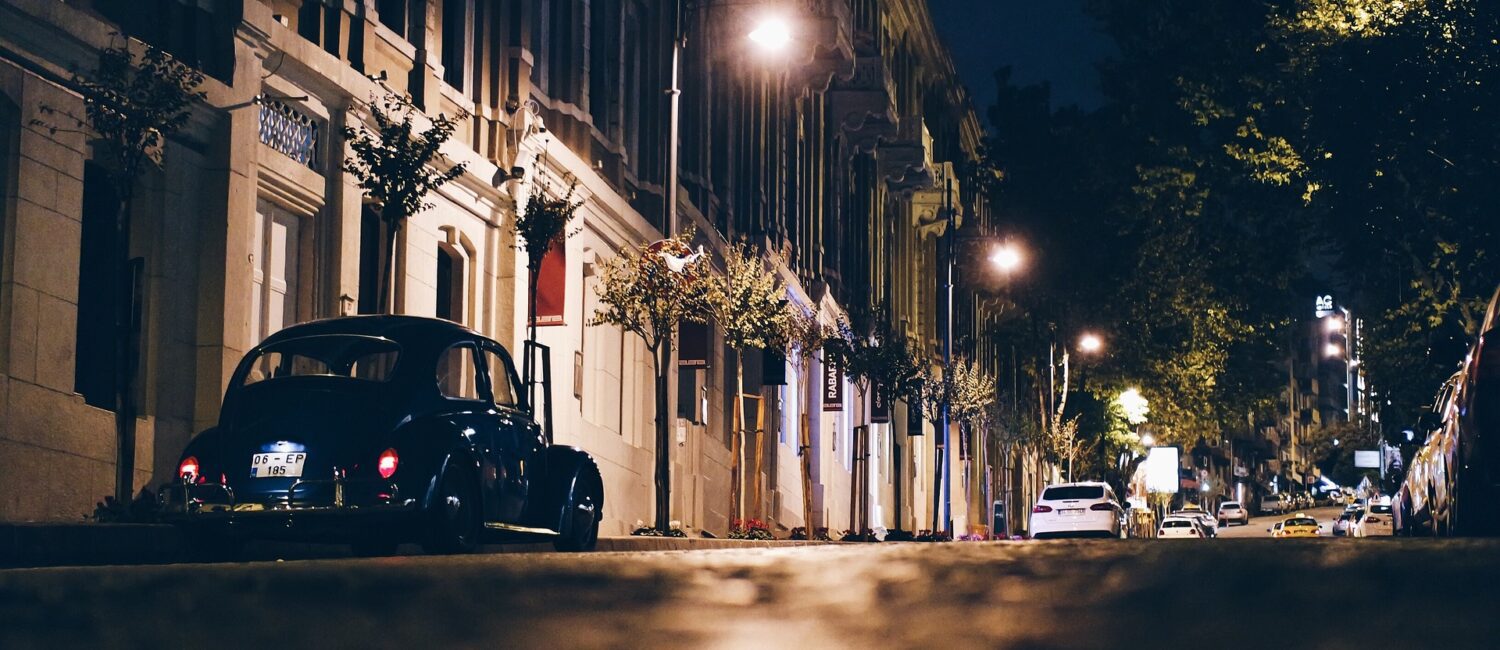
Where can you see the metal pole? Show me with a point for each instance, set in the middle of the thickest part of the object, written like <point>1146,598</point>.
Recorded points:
<point>674,95</point>
<point>952,235</point>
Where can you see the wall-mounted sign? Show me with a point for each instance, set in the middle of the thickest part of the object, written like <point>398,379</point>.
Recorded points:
<point>1367,459</point>
<point>880,407</point>
<point>1323,306</point>
<point>833,384</point>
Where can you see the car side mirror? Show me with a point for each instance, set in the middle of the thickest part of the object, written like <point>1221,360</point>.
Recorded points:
<point>1268,530</point>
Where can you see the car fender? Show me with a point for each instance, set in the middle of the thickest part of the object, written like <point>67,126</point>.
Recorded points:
<point>564,466</point>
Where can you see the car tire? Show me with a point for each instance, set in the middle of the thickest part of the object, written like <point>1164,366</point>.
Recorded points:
<point>580,521</point>
<point>453,518</point>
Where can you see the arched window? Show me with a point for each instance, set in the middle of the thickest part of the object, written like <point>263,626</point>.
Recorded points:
<point>450,283</point>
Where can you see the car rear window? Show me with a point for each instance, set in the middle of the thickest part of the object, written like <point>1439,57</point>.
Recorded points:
<point>1229,505</point>
<point>1302,521</point>
<point>1073,492</point>
<point>335,355</point>
<point>1176,523</point>
<point>1380,510</point>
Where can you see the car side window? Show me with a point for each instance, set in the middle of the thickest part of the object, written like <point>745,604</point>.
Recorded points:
<point>457,372</point>
<point>501,380</point>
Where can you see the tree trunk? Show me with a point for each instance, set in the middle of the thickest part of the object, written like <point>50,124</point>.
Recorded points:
<point>124,366</point>
<point>736,468</point>
<point>663,356</point>
<point>388,265</point>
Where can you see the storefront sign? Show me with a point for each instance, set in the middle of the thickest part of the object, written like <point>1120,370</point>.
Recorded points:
<point>880,407</point>
<point>833,384</point>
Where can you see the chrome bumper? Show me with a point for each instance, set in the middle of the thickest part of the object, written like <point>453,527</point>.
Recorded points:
<point>183,501</point>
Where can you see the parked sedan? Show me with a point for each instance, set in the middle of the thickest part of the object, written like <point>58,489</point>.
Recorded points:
<point>376,430</point>
<point>1075,510</point>
<point>1376,521</point>
<point>1341,525</point>
<point>1175,527</point>
<point>1231,512</point>
<point>1204,520</point>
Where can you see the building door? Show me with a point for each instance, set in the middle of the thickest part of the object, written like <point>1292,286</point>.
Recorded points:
<point>273,301</point>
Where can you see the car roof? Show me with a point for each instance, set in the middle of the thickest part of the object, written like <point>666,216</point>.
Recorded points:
<point>399,328</point>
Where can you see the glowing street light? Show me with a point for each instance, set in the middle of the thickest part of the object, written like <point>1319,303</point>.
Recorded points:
<point>1147,440</point>
<point>1333,324</point>
<point>1007,258</point>
<point>772,34</point>
<point>1136,408</point>
<point>1332,350</point>
<point>1090,343</point>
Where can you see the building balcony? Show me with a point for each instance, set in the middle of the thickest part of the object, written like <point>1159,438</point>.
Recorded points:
<point>929,206</point>
<point>907,168</point>
<point>864,105</point>
<point>826,50</point>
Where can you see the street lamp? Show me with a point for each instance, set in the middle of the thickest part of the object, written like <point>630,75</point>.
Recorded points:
<point>1090,343</point>
<point>773,34</point>
<point>1007,258</point>
<point>1332,350</point>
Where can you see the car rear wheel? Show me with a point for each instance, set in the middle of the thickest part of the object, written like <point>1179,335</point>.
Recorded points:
<point>453,517</point>
<point>580,523</point>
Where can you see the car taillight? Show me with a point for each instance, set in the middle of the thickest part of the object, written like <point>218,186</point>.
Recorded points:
<point>1161,532</point>
<point>1372,520</point>
<point>387,464</point>
<point>1101,506</point>
<point>1041,509</point>
<point>187,470</point>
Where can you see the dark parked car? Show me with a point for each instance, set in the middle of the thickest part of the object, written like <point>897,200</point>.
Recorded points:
<point>1452,486</point>
<point>377,430</point>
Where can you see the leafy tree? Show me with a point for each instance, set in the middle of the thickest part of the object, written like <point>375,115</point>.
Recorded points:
<point>395,166</point>
<point>748,301</point>
<point>540,226</point>
<point>648,291</point>
<point>133,105</point>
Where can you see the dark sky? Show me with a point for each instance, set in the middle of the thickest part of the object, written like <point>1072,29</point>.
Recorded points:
<point>1044,40</point>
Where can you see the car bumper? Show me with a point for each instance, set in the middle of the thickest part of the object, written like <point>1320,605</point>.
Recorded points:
<point>1057,525</point>
<point>305,504</point>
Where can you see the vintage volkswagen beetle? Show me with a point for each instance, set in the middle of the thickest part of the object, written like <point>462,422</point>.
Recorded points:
<point>375,430</point>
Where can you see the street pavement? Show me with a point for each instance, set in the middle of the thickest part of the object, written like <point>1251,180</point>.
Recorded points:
<point>1228,593</point>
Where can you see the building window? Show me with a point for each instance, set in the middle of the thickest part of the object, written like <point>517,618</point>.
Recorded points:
<point>273,299</point>
<point>450,283</point>
<point>456,32</point>
<point>372,234</point>
<point>393,15</point>
<point>98,289</point>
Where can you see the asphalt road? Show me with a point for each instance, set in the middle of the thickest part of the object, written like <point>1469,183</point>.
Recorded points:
<point>1258,525</point>
<point>1065,594</point>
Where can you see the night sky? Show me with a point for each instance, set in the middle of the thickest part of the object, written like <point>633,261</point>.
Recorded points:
<point>1044,40</point>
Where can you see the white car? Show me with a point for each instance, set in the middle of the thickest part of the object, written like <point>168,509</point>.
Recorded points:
<point>1231,512</point>
<point>1175,527</point>
<point>1205,521</point>
<point>1075,510</point>
<point>1373,522</point>
<point>1272,504</point>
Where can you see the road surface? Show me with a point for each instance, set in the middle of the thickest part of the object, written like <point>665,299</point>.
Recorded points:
<point>1258,525</point>
<point>1066,594</point>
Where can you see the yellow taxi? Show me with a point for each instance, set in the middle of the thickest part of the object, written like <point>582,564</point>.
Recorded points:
<point>1298,525</point>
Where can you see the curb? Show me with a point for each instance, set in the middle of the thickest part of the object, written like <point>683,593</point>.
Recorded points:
<point>24,545</point>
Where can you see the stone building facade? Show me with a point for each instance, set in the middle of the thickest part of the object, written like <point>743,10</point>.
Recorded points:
<point>838,159</point>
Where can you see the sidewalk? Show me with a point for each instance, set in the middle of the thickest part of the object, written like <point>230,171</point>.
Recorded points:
<point>69,544</point>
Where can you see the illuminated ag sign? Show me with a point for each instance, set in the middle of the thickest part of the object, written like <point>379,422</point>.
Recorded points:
<point>1323,306</point>
<point>1161,470</point>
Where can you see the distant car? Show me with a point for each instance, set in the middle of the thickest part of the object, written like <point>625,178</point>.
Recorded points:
<point>1231,512</point>
<point>1076,510</point>
<point>1341,525</point>
<point>1374,522</point>
<point>1204,520</point>
<point>377,430</point>
<point>1298,525</point>
<point>1271,504</point>
<point>1175,527</point>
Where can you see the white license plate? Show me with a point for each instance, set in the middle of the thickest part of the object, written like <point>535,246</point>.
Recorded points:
<point>281,464</point>
<point>1071,511</point>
